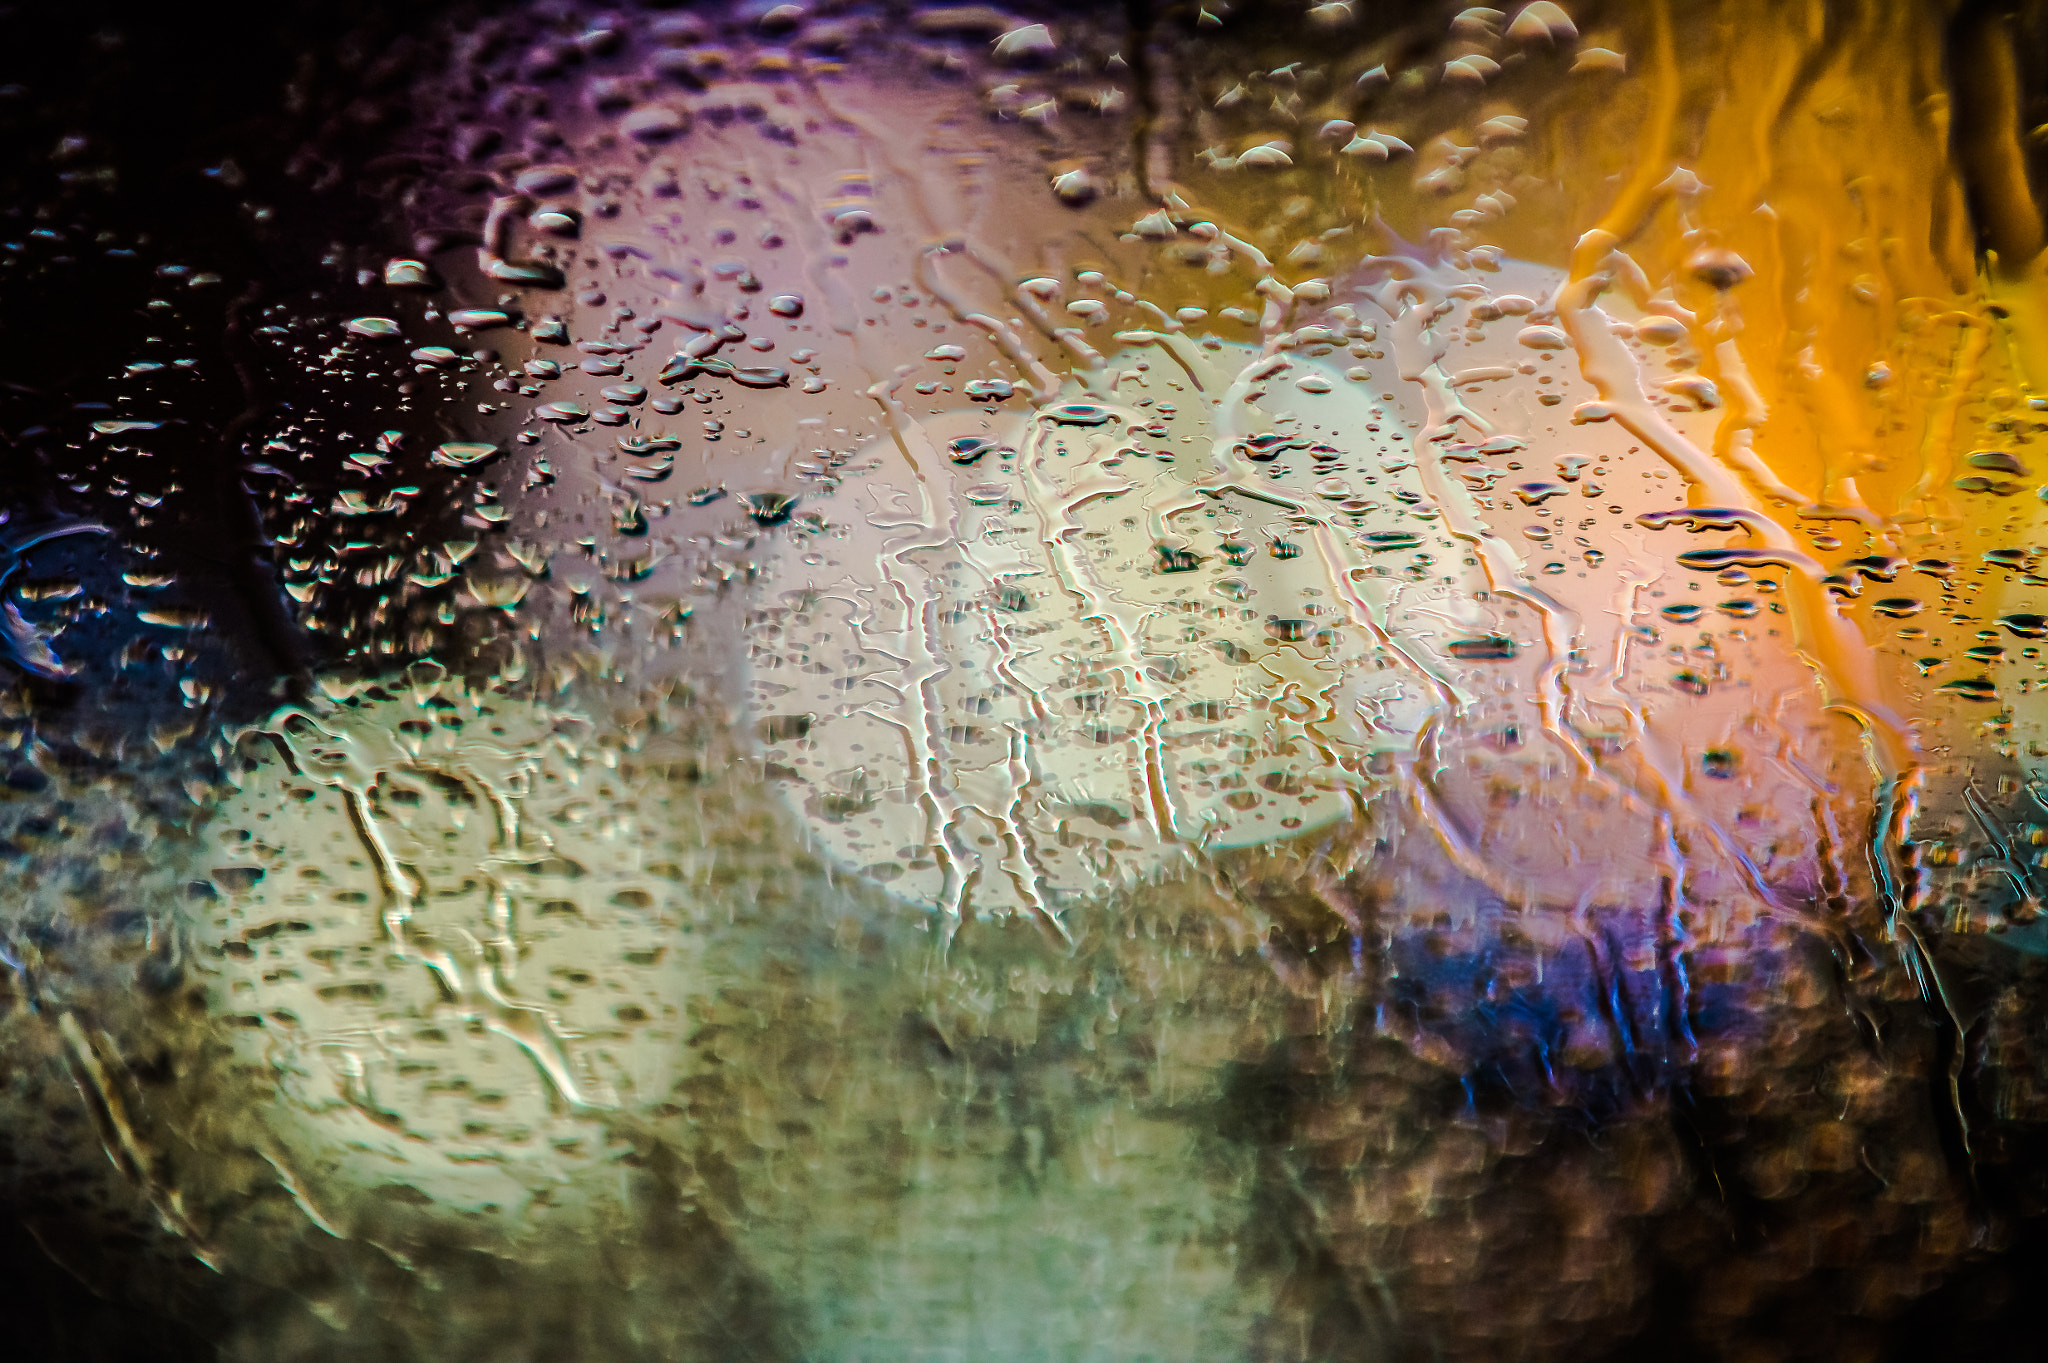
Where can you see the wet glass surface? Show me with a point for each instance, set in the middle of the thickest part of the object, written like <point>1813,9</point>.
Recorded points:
<point>857,681</point>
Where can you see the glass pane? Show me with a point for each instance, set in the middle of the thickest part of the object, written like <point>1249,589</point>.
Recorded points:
<point>861,681</point>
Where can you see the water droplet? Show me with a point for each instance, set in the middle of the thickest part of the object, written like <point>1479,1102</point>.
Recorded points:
<point>532,273</point>
<point>1265,156</point>
<point>478,319</point>
<point>1660,331</point>
<point>1996,461</point>
<point>1714,560</point>
<point>1289,631</point>
<point>1078,414</point>
<point>654,123</point>
<point>1076,187</point>
<point>1542,22</point>
<point>503,593</point>
<point>1026,45</point>
<point>545,179</point>
<point>556,222</point>
<point>1714,266</point>
<point>461,455</point>
<point>410,274</point>
<point>1486,648</point>
<point>767,508</point>
<point>1972,688</point>
<point>1599,59</point>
